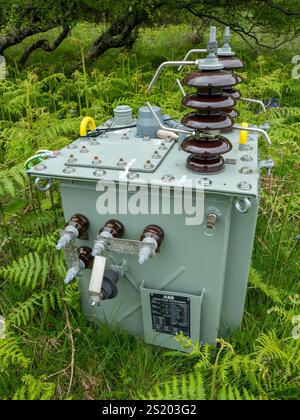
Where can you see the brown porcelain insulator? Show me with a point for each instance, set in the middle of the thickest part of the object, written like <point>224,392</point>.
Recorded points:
<point>210,79</point>
<point>114,227</point>
<point>208,121</point>
<point>209,103</point>
<point>236,94</point>
<point>231,62</point>
<point>233,113</point>
<point>80,222</point>
<point>205,165</point>
<point>155,232</point>
<point>217,145</point>
<point>85,255</point>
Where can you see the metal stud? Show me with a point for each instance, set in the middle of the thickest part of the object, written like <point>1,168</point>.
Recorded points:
<point>163,146</point>
<point>96,161</point>
<point>84,149</point>
<point>121,163</point>
<point>148,164</point>
<point>156,155</point>
<point>72,159</point>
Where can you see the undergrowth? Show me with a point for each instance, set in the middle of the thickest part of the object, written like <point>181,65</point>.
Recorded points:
<point>50,352</point>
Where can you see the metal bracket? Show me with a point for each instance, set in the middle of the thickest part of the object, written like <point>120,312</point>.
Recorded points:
<point>71,256</point>
<point>268,164</point>
<point>243,205</point>
<point>39,186</point>
<point>125,246</point>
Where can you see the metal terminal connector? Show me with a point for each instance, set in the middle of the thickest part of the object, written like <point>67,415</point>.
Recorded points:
<point>146,252</point>
<point>100,245</point>
<point>268,164</point>
<point>97,280</point>
<point>211,221</point>
<point>67,236</point>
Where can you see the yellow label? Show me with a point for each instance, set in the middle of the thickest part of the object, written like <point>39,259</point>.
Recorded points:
<point>244,134</point>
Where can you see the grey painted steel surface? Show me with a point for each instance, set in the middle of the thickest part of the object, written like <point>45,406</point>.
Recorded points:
<point>207,274</point>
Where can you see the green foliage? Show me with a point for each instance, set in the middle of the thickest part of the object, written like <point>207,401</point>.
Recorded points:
<point>34,389</point>
<point>42,110</point>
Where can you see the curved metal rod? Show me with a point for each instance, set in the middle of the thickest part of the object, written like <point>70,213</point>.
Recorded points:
<point>168,64</point>
<point>172,130</point>
<point>194,51</point>
<point>254,130</point>
<point>255,101</point>
<point>181,88</point>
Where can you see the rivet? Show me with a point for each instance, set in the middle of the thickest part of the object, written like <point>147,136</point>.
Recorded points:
<point>100,173</point>
<point>132,175</point>
<point>246,158</point>
<point>69,170</point>
<point>204,182</point>
<point>168,178</point>
<point>41,167</point>
<point>244,186</point>
<point>125,136</point>
<point>246,170</point>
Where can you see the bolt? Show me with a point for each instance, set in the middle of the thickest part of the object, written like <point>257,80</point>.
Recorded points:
<point>148,164</point>
<point>156,155</point>
<point>163,146</point>
<point>99,173</point>
<point>146,138</point>
<point>121,162</point>
<point>84,149</point>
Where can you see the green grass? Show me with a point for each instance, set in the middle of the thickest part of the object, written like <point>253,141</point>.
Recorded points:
<point>51,343</point>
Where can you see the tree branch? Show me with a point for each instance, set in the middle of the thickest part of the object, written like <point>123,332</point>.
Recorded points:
<point>45,45</point>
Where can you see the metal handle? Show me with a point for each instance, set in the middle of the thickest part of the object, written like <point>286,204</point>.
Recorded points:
<point>39,186</point>
<point>169,64</point>
<point>254,130</point>
<point>243,205</point>
<point>255,101</point>
<point>172,130</point>
<point>194,51</point>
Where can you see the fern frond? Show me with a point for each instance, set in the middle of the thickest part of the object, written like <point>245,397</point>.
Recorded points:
<point>10,352</point>
<point>27,271</point>
<point>35,389</point>
<point>41,302</point>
